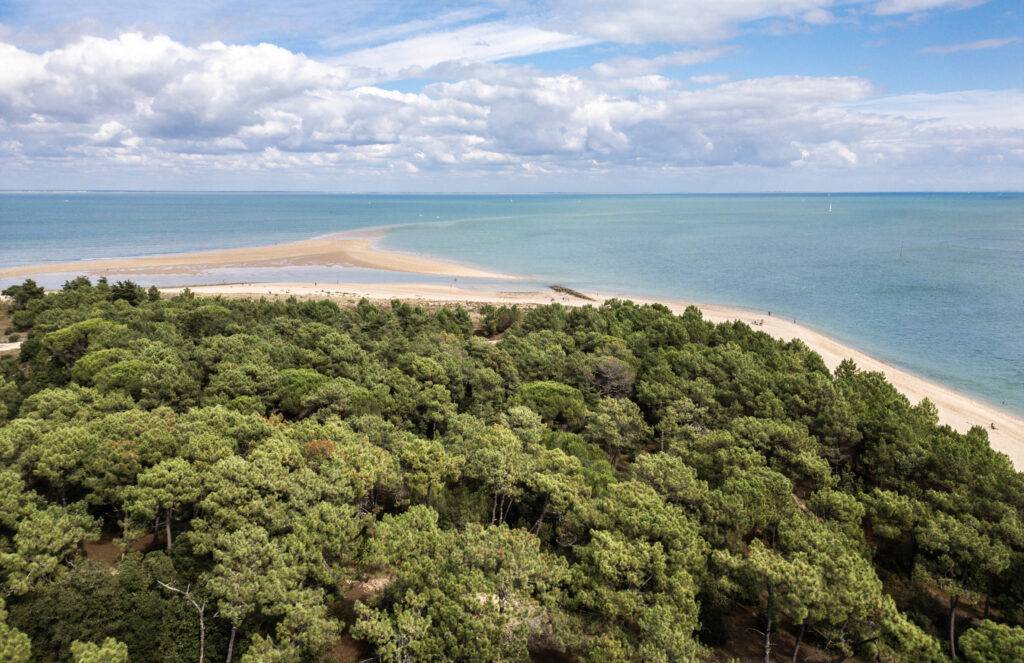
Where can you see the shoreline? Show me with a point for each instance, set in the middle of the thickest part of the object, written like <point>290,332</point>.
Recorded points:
<point>357,248</point>
<point>955,409</point>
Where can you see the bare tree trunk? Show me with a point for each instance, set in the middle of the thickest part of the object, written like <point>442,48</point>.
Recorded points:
<point>202,635</point>
<point>506,505</point>
<point>543,512</point>
<point>799,641</point>
<point>768,628</point>
<point>953,601</point>
<point>200,609</point>
<point>167,528</point>
<point>231,645</point>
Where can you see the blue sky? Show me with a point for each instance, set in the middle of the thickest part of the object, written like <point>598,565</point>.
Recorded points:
<point>599,95</point>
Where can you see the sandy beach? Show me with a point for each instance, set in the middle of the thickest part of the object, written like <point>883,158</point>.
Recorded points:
<point>955,409</point>
<point>359,249</point>
<point>8,348</point>
<point>356,249</point>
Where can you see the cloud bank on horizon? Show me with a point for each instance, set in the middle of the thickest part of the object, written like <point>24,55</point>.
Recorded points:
<point>630,95</point>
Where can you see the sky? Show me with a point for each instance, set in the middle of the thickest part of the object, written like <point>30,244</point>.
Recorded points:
<point>603,96</point>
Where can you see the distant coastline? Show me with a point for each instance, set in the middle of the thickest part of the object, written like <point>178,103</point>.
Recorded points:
<point>369,192</point>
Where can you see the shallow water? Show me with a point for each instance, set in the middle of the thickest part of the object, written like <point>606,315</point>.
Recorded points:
<point>951,307</point>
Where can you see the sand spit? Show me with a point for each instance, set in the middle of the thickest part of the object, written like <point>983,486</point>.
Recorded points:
<point>350,250</point>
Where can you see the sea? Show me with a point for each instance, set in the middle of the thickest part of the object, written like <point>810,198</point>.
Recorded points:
<point>930,282</point>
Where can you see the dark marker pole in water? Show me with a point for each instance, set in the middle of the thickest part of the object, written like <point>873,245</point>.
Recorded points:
<point>901,249</point>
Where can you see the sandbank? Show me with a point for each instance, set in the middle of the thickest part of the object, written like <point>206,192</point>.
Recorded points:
<point>356,249</point>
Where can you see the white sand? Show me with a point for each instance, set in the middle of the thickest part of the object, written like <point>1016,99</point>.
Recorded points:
<point>350,250</point>
<point>955,410</point>
<point>9,347</point>
<point>358,249</point>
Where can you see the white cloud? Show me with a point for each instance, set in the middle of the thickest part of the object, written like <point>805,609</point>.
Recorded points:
<point>621,67</point>
<point>981,44</point>
<point>679,21</point>
<point>165,85</point>
<point>111,134</point>
<point>966,109</point>
<point>495,40</point>
<point>818,16</point>
<point>700,21</point>
<point>402,30</point>
<point>216,112</point>
<point>888,7</point>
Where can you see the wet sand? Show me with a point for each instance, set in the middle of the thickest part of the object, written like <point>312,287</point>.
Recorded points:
<point>348,250</point>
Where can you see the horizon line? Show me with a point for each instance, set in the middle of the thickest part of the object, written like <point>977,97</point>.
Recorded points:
<point>523,193</point>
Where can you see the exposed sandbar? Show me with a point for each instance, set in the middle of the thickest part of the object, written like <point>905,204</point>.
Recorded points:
<point>329,251</point>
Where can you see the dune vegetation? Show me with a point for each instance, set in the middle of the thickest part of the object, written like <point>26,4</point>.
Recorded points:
<point>202,479</point>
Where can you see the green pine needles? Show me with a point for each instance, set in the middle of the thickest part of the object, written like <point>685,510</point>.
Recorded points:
<point>191,479</point>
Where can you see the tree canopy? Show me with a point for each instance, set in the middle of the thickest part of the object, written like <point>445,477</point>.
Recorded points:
<point>190,479</point>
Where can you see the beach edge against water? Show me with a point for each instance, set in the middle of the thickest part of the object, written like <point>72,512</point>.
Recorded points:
<point>955,409</point>
<point>360,248</point>
<point>351,249</point>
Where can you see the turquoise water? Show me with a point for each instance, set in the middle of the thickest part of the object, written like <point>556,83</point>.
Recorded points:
<point>950,308</point>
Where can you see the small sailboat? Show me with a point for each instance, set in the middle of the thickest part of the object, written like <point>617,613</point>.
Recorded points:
<point>829,204</point>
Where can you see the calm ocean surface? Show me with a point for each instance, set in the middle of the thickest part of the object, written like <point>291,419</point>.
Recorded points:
<point>951,308</point>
